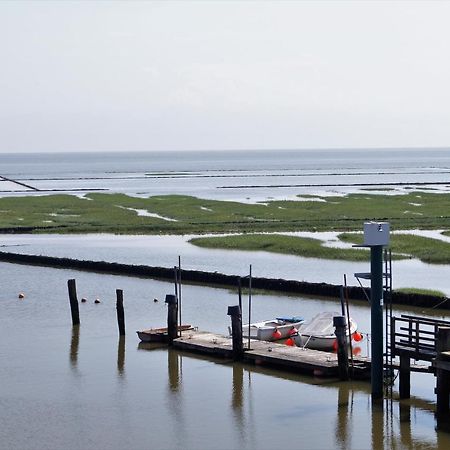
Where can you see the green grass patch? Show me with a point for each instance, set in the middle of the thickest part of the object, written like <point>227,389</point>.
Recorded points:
<point>428,250</point>
<point>288,245</point>
<point>431,292</point>
<point>108,213</point>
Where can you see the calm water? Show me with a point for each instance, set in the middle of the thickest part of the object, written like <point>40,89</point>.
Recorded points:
<point>244,176</point>
<point>164,251</point>
<point>86,388</point>
<point>65,388</point>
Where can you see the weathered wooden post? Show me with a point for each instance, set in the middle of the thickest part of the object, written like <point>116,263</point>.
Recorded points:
<point>73,302</point>
<point>442,374</point>
<point>405,376</point>
<point>236,331</point>
<point>120,312</point>
<point>172,317</point>
<point>340,323</point>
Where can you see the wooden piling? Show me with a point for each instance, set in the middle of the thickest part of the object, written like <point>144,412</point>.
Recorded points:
<point>236,330</point>
<point>340,323</point>
<point>405,377</point>
<point>71,284</point>
<point>442,375</point>
<point>172,317</point>
<point>120,312</point>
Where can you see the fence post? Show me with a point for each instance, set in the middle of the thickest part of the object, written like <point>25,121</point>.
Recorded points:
<point>405,376</point>
<point>73,302</point>
<point>442,375</point>
<point>120,312</point>
<point>172,317</point>
<point>236,331</point>
<point>340,323</point>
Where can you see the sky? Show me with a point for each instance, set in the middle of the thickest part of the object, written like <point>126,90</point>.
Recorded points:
<point>215,75</point>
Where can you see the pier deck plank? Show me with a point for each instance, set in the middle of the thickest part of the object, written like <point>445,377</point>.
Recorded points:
<point>261,351</point>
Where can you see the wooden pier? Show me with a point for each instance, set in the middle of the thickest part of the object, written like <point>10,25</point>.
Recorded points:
<point>276,355</point>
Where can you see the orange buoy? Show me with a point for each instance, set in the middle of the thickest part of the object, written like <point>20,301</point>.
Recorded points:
<point>335,345</point>
<point>357,336</point>
<point>290,342</point>
<point>356,351</point>
<point>276,334</point>
<point>292,331</point>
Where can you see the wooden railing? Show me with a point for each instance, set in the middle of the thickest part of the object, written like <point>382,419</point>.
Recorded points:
<point>415,337</point>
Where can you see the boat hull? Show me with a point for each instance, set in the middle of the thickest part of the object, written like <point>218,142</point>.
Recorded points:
<point>159,334</point>
<point>264,331</point>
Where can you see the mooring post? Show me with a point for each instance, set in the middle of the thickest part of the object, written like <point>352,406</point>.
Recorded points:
<point>120,312</point>
<point>442,375</point>
<point>172,317</point>
<point>405,377</point>
<point>236,331</point>
<point>71,284</point>
<point>340,323</point>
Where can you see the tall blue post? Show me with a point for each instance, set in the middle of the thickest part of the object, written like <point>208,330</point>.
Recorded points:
<point>376,320</point>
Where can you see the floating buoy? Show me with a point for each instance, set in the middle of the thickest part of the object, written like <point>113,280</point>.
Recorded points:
<point>83,300</point>
<point>155,300</point>
<point>356,351</point>
<point>292,331</point>
<point>276,334</point>
<point>21,295</point>
<point>357,336</point>
<point>96,300</point>
<point>290,342</point>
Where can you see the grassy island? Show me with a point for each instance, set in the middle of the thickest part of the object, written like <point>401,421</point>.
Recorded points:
<point>177,214</point>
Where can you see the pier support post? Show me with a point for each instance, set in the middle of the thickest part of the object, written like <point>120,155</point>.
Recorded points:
<point>172,317</point>
<point>120,312</point>
<point>405,376</point>
<point>236,331</point>
<point>73,302</point>
<point>442,375</point>
<point>340,323</point>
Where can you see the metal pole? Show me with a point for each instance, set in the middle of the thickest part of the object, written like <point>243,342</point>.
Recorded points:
<point>249,303</point>
<point>179,291</point>
<point>376,300</point>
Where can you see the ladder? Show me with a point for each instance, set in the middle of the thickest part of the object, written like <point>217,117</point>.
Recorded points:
<point>387,298</point>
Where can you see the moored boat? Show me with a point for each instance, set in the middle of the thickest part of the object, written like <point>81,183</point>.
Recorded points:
<point>319,333</point>
<point>273,329</point>
<point>159,334</point>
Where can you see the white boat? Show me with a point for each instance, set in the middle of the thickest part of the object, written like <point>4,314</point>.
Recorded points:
<point>319,333</point>
<point>272,330</point>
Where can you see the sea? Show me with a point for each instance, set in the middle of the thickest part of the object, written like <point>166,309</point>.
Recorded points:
<point>74,388</point>
<point>247,176</point>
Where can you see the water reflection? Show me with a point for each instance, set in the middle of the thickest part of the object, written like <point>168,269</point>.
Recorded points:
<point>121,356</point>
<point>237,400</point>
<point>342,422</point>
<point>74,344</point>
<point>174,368</point>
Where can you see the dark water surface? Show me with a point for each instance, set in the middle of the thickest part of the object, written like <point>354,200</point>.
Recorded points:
<point>79,388</point>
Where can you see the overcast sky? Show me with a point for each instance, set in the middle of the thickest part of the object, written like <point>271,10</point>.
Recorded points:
<point>112,75</point>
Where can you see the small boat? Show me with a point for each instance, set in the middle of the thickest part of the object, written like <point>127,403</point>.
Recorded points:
<point>318,334</point>
<point>159,334</point>
<point>272,330</point>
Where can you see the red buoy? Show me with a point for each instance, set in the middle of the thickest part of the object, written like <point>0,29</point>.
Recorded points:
<point>292,331</point>
<point>357,336</point>
<point>335,345</point>
<point>290,342</point>
<point>276,334</point>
